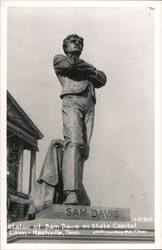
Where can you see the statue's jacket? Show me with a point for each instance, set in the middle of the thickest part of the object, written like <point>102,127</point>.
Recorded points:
<point>75,75</point>
<point>45,188</point>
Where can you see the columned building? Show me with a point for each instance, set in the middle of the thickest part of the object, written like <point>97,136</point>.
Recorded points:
<point>22,145</point>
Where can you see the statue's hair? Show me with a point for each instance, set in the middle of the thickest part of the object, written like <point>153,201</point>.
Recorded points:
<point>66,40</point>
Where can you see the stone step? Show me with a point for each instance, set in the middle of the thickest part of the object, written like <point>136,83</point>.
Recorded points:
<point>58,230</point>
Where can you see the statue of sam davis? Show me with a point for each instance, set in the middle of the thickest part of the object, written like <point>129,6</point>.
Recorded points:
<point>79,80</point>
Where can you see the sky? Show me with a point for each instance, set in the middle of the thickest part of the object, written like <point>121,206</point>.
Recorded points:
<point>118,41</point>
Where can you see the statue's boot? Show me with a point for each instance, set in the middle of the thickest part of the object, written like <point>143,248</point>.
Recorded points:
<point>71,199</point>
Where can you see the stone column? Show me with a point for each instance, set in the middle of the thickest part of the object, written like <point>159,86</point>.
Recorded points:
<point>20,170</point>
<point>32,179</point>
<point>32,176</point>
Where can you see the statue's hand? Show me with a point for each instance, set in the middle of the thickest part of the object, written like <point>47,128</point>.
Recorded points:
<point>98,78</point>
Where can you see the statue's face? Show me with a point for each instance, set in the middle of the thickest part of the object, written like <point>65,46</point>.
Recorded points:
<point>74,46</point>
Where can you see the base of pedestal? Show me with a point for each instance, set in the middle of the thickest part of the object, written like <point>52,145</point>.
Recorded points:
<point>80,224</point>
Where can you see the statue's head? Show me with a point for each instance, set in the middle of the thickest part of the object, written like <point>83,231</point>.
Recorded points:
<point>73,45</point>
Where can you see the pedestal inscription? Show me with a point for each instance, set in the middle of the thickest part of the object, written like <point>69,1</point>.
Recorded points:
<point>84,212</point>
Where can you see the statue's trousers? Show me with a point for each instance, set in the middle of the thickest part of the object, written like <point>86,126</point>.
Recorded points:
<point>78,120</point>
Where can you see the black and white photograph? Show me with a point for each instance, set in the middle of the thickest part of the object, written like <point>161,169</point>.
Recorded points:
<point>81,125</point>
